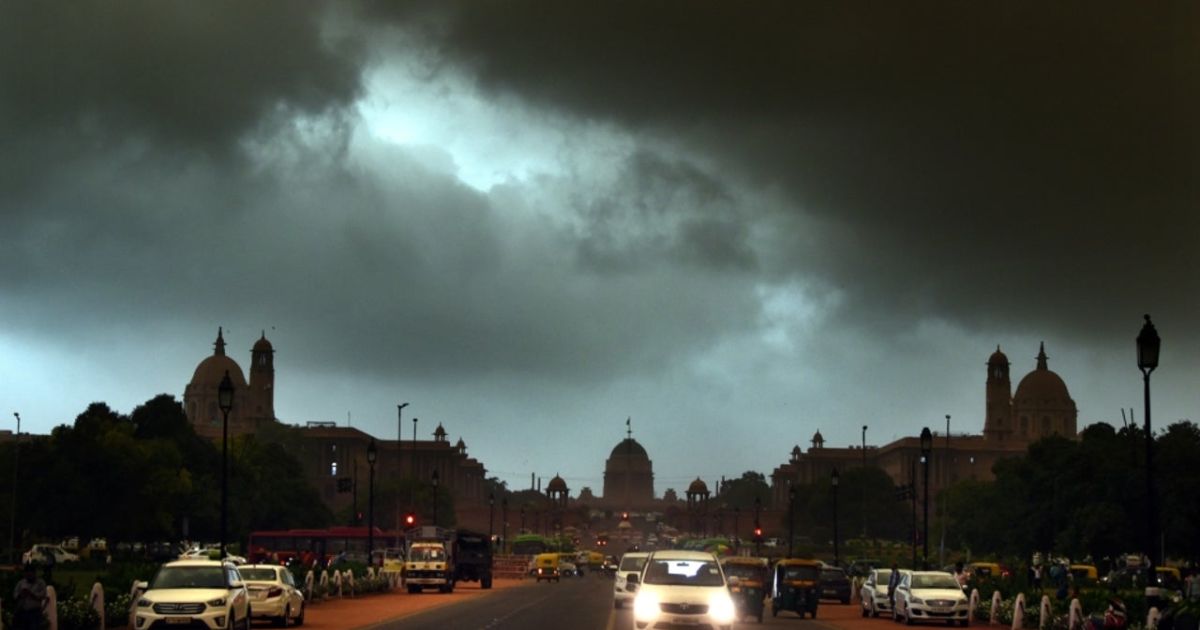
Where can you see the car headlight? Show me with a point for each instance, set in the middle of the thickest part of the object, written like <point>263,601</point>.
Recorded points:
<point>645,606</point>
<point>720,607</point>
<point>216,603</point>
<point>917,600</point>
<point>144,603</point>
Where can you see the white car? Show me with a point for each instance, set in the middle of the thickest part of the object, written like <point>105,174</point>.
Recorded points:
<point>43,553</point>
<point>210,553</point>
<point>683,588</point>
<point>624,590</point>
<point>873,595</point>
<point>930,596</point>
<point>204,593</point>
<point>273,594</point>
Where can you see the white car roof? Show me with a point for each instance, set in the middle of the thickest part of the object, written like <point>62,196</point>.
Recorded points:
<point>196,563</point>
<point>683,554</point>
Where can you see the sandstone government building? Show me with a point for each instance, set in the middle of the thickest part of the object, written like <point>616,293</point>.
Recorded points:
<point>1040,406</point>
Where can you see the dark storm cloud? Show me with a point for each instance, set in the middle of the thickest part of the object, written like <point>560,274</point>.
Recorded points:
<point>81,77</point>
<point>1023,166</point>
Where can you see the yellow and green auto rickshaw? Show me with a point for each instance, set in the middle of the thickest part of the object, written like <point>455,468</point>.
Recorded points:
<point>545,567</point>
<point>1083,573</point>
<point>795,587</point>
<point>749,591</point>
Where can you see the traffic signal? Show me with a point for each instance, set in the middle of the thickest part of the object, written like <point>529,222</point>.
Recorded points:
<point>757,534</point>
<point>410,519</point>
<point>624,516</point>
<point>358,517</point>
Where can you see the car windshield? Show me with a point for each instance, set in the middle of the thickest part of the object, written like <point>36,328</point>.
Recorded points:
<point>832,575</point>
<point>800,573</point>
<point>632,564</point>
<point>882,576</point>
<point>684,573</point>
<point>934,581</point>
<point>189,577</point>
<point>427,555</point>
<point>258,575</point>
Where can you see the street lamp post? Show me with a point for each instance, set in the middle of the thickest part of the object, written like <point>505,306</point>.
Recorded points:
<point>399,465</point>
<point>926,446</point>
<point>225,402</point>
<point>834,481</point>
<point>12,516</point>
<point>412,489</point>
<point>864,482</point>
<point>945,469</point>
<point>435,497</point>
<point>504,518</point>
<point>791,518</point>
<point>1148,345</point>
<point>491,514</point>
<point>371,455</point>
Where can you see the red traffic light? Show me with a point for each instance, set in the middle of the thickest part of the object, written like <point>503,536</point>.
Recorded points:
<point>625,516</point>
<point>410,519</point>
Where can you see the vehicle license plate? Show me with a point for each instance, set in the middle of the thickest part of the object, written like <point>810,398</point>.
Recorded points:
<point>260,594</point>
<point>684,621</point>
<point>940,609</point>
<point>178,620</point>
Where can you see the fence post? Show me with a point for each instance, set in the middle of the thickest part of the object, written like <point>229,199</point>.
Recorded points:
<point>972,604</point>
<point>1019,612</point>
<point>51,608</point>
<point>96,599</point>
<point>1044,612</point>
<point>1075,618</point>
<point>1152,618</point>
<point>995,616</point>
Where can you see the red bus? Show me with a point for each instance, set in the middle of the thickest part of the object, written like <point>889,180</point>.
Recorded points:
<point>318,545</point>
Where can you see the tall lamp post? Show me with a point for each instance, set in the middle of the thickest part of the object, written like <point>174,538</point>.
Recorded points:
<point>791,518</point>
<point>504,518</point>
<point>491,514</point>
<point>12,516</point>
<point>371,455</point>
<point>833,480</point>
<point>1148,345</point>
<point>864,482</point>
<point>945,475</point>
<point>412,492</point>
<point>399,465</point>
<point>225,402</point>
<point>435,497</point>
<point>926,447</point>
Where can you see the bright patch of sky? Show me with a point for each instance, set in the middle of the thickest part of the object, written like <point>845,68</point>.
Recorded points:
<point>491,141</point>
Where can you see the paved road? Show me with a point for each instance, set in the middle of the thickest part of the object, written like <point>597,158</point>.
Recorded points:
<point>586,604</point>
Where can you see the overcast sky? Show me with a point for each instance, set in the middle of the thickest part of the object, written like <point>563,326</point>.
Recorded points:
<point>735,223</point>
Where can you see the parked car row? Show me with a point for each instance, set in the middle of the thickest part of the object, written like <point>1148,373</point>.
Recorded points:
<point>919,596</point>
<point>218,595</point>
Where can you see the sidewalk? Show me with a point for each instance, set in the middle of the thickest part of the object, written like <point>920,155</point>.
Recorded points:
<point>369,610</point>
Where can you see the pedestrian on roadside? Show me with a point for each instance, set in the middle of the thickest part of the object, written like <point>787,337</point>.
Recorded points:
<point>29,596</point>
<point>1036,571</point>
<point>1193,586</point>
<point>960,574</point>
<point>893,582</point>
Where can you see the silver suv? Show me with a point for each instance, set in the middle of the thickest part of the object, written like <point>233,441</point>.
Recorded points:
<point>204,594</point>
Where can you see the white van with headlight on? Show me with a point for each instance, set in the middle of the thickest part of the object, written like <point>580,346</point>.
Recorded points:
<point>682,588</point>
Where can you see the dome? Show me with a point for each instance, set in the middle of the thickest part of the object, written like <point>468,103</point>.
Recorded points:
<point>557,485</point>
<point>212,369</point>
<point>629,447</point>
<point>262,345</point>
<point>1041,384</point>
<point>698,487</point>
<point>998,358</point>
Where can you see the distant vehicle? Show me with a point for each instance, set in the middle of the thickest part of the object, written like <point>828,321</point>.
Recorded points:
<point>472,555</point>
<point>795,587</point>
<point>318,545</point>
<point>71,543</point>
<point>930,596</point>
<point>834,584</point>
<point>874,593</point>
<point>194,593</point>
<point>624,590</point>
<point>863,566</point>
<point>530,545</point>
<point>273,594</point>
<point>46,554</point>
<point>545,567</point>
<point>429,560</point>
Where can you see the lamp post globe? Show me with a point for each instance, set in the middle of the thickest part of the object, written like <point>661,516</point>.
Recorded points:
<point>225,402</point>
<point>926,448</point>
<point>1148,346</point>
<point>372,454</point>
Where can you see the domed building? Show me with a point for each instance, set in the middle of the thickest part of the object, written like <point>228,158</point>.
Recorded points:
<point>1041,406</point>
<point>629,477</point>
<point>253,402</point>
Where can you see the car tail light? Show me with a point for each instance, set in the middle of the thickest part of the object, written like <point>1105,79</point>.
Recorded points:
<point>274,591</point>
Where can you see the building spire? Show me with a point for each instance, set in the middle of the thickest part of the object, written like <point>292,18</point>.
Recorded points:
<point>1041,357</point>
<point>219,344</point>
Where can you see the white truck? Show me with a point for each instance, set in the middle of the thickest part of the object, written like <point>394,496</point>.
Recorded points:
<point>429,563</point>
